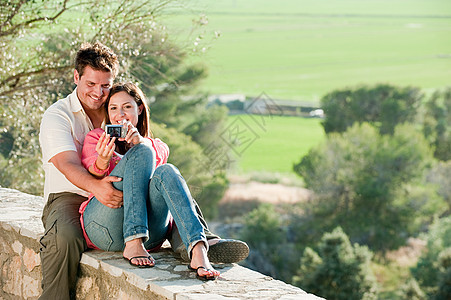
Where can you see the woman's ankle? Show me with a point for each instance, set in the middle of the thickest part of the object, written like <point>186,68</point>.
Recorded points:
<point>134,242</point>
<point>135,246</point>
<point>199,255</point>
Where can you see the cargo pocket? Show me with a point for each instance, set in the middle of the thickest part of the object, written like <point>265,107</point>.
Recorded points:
<point>48,240</point>
<point>99,235</point>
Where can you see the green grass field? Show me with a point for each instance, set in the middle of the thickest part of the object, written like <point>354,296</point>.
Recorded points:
<point>271,144</point>
<point>302,49</point>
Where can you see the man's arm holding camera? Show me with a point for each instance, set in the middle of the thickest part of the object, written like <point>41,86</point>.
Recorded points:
<point>68,163</point>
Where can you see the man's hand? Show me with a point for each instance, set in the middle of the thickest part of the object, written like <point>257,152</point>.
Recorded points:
<point>69,164</point>
<point>105,192</point>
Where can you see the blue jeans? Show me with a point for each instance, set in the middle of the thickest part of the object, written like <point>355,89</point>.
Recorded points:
<point>150,198</point>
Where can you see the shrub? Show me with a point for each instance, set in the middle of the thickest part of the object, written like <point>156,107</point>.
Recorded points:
<point>271,252</point>
<point>411,291</point>
<point>338,270</point>
<point>384,106</point>
<point>428,269</point>
<point>369,184</point>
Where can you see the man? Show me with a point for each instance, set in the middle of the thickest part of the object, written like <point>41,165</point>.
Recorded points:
<point>67,183</point>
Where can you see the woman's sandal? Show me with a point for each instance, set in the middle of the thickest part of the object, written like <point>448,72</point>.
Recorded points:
<point>203,277</point>
<point>141,266</point>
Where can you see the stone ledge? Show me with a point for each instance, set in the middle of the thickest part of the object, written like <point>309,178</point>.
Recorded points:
<point>105,275</point>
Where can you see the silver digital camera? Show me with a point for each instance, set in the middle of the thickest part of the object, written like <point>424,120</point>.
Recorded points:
<point>118,131</point>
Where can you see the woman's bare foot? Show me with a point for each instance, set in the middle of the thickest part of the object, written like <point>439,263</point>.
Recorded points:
<point>201,264</point>
<point>137,254</point>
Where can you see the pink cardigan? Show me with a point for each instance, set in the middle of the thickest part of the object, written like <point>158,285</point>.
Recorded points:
<point>89,156</point>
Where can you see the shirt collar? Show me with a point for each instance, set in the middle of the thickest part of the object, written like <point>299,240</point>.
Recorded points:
<point>75,104</point>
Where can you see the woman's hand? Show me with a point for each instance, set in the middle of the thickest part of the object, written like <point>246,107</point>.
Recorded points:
<point>133,137</point>
<point>105,148</point>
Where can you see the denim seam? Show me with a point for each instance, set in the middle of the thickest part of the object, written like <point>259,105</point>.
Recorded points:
<point>136,236</point>
<point>190,238</point>
<point>172,203</point>
<point>194,243</point>
<point>131,159</point>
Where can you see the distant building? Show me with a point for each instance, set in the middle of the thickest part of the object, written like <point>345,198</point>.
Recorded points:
<point>263,105</point>
<point>225,98</point>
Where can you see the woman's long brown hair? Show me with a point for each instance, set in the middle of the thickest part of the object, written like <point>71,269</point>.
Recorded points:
<point>143,119</point>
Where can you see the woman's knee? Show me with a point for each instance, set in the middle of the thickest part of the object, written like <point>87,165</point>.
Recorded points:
<point>167,170</point>
<point>142,150</point>
<point>140,156</point>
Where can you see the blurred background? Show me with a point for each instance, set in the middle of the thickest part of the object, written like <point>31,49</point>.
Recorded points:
<point>316,131</point>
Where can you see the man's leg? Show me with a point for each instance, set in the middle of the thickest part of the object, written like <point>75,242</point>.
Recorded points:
<point>220,250</point>
<point>61,246</point>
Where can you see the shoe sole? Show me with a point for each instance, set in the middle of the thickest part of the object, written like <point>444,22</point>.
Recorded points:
<point>224,252</point>
<point>227,252</point>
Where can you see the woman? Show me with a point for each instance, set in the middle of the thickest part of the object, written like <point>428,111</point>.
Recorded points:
<point>154,191</point>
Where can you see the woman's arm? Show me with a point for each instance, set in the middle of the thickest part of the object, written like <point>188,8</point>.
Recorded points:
<point>97,152</point>
<point>105,150</point>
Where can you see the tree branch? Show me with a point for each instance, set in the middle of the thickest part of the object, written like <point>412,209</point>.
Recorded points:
<point>17,78</point>
<point>15,28</point>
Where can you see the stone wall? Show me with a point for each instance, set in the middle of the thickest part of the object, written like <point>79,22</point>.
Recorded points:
<point>105,275</point>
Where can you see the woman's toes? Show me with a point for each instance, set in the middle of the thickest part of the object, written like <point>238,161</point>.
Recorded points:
<point>208,272</point>
<point>142,261</point>
<point>149,261</point>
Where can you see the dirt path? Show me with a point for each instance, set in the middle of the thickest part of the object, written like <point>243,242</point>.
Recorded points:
<point>264,192</point>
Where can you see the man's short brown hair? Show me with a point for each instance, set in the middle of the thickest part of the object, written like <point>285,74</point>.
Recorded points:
<point>97,56</point>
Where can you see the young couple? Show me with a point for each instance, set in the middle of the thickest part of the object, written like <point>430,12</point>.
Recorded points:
<point>136,196</point>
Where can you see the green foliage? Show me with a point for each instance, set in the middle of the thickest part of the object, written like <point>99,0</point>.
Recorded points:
<point>411,291</point>
<point>386,106</point>
<point>383,106</point>
<point>444,259</point>
<point>338,270</point>
<point>428,269</point>
<point>437,123</point>
<point>444,284</point>
<point>263,225</point>
<point>439,175</point>
<point>370,185</point>
<point>271,253</point>
<point>392,277</point>
<point>26,73</point>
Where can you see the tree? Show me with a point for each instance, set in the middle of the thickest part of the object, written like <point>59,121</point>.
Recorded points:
<point>437,123</point>
<point>271,253</point>
<point>439,175</point>
<point>383,106</point>
<point>26,71</point>
<point>430,271</point>
<point>38,40</point>
<point>444,284</point>
<point>338,270</point>
<point>411,291</point>
<point>369,184</point>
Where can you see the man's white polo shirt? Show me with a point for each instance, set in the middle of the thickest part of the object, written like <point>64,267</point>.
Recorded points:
<point>63,128</point>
